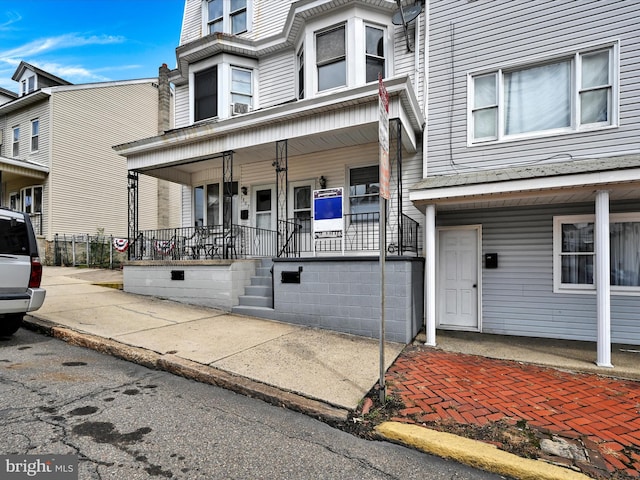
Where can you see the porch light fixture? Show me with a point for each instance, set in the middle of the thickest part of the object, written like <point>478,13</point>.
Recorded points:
<point>243,190</point>
<point>323,182</point>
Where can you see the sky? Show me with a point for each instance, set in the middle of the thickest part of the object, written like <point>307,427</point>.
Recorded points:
<point>85,41</point>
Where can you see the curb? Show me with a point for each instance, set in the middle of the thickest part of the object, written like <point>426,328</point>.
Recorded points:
<point>474,453</point>
<point>192,370</point>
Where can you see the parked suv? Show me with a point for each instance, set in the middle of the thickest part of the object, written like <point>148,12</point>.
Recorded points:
<point>20,270</point>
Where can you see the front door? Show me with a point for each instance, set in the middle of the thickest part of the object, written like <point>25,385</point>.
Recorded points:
<point>458,274</point>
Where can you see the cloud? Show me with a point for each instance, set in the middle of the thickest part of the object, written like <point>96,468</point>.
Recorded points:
<point>13,18</point>
<point>45,45</point>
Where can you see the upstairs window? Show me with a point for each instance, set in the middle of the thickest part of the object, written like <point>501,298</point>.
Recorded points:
<point>206,94</point>
<point>301,73</point>
<point>16,142</point>
<point>227,16</point>
<point>374,53</point>
<point>35,135</point>
<point>31,83</point>
<point>331,58</point>
<point>241,87</point>
<point>564,95</point>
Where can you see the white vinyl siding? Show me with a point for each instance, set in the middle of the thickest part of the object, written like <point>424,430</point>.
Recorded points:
<point>517,33</point>
<point>277,79</point>
<point>77,152</point>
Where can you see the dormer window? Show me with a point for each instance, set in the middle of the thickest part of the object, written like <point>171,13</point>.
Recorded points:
<point>227,16</point>
<point>31,83</point>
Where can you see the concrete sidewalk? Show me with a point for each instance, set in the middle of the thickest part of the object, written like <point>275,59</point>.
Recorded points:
<point>333,368</point>
<point>327,374</point>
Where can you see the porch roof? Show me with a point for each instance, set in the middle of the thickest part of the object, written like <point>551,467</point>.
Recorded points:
<point>22,168</point>
<point>330,121</point>
<point>567,181</point>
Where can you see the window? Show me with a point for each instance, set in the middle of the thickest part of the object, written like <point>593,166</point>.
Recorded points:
<point>301,73</point>
<point>16,141</point>
<point>24,87</point>
<point>227,16</point>
<point>331,59</point>
<point>564,95</point>
<point>302,207</point>
<point>374,53</point>
<point>31,83</point>
<point>31,199</point>
<point>206,94</point>
<point>35,134</point>
<point>208,204</point>
<point>241,86</point>
<point>364,187</point>
<point>574,253</point>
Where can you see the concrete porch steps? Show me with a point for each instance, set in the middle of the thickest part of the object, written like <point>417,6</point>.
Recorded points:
<point>257,300</point>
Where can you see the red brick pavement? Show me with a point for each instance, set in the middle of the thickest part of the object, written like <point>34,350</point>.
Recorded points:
<point>468,389</point>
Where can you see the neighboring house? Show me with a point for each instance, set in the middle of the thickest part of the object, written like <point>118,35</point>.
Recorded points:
<point>56,156</point>
<point>532,174</point>
<point>274,101</point>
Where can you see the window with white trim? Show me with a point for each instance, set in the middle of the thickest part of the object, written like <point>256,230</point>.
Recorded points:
<point>374,53</point>
<point>31,83</point>
<point>205,94</point>
<point>574,253</point>
<point>241,86</point>
<point>16,142</point>
<point>364,189</point>
<point>35,135</point>
<point>567,94</point>
<point>227,16</point>
<point>300,61</point>
<point>31,199</point>
<point>331,58</point>
<point>209,204</point>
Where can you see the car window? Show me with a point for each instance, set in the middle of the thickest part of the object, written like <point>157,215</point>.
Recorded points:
<point>14,238</point>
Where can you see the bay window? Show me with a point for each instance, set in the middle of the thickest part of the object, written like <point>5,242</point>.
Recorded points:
<point>241,86</point>
<point>374,53</point>
<point>206,94</point>
<point>574,253</point>
<point>563,95</point>
<point>331,58</point>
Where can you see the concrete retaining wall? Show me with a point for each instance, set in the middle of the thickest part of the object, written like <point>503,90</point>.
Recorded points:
<point>210,283</point>
<point>343,294</point>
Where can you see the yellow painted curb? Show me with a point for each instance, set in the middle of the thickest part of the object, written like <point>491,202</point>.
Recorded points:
<point>474,453</point>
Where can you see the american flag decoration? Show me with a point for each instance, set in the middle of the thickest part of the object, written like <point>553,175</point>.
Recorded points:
<point>164,247</point>
<point>121,244</point>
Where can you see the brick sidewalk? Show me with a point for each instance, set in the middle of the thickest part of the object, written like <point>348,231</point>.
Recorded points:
<point>600,413</point>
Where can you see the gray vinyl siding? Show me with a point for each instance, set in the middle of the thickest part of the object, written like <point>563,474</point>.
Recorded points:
<point>469,36</point>
<point>518,298</point>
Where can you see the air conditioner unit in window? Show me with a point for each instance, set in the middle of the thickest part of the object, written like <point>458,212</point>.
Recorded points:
<point>240,108</point>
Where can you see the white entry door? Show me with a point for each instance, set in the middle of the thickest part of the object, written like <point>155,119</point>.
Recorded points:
<point>458,278</point>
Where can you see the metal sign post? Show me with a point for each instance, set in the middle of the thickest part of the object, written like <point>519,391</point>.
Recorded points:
<point>383,140</point>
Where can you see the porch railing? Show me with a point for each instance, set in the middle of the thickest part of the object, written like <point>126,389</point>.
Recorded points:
<point>293,239</point>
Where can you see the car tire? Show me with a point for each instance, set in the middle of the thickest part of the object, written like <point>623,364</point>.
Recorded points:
<point>10,324</point>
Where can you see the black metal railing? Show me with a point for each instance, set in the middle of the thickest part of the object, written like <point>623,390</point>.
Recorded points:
<point>36,222</point>
<point>293,239</point>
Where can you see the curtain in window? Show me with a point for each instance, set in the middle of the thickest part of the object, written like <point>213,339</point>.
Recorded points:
<point>330,57</point>
<point>625,253</point>
<point>538,98</point>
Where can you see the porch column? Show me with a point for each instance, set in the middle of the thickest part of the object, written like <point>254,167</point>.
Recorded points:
<point>602,280</point>
<point>430,275</point>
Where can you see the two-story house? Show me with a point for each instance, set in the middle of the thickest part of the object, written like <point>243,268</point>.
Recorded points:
<point>57,161</point>
<point>531,187</point>
<point>277,104</point>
